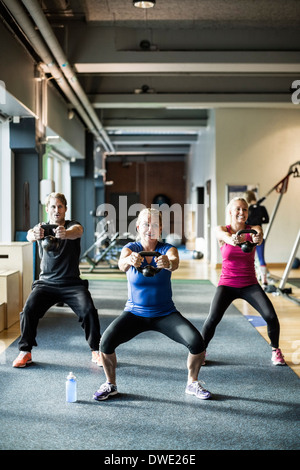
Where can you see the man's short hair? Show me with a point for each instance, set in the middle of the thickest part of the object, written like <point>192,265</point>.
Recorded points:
<point>59,196</point>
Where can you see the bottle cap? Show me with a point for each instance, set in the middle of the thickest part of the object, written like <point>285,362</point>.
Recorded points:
<point>71,376</point>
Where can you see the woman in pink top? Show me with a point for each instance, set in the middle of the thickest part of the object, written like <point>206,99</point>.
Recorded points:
<point>238,277</point>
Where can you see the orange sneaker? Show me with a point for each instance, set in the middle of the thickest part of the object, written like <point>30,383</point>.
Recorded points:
<point>23,359</point>
<point>96,358</point>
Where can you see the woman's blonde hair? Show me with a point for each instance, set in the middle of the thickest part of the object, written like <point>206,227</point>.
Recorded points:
<point>228,208</point>
<point>149,212</point>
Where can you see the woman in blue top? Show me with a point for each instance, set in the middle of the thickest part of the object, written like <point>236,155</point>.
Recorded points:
<point>150,306</point>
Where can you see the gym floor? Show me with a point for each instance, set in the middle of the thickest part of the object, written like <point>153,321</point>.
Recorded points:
<point>254,405</point>
<point>287,310</point>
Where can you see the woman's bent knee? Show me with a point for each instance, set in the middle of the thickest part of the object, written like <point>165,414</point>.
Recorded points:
<point>107,345</point>
<point>197,346</point>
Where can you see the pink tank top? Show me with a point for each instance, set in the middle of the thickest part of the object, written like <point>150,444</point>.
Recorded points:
<point>238,269</point>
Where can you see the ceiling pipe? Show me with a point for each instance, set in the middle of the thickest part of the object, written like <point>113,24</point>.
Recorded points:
<point>46,31</point>
<point>48,59</point>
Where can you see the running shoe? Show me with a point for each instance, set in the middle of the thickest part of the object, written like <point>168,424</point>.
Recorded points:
<point>105,391</point>
<point>96,358</point>
<point>278,358</point>
<point>195,388</point>
<point>23,359</point>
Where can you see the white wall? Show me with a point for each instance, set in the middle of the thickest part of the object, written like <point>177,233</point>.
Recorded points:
<point>258,146</point>
<point>71,131</point>
<point>250,146</point>
<point>6,185</point>
<point>201,167</point>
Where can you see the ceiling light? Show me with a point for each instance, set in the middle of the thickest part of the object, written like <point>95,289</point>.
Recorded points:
<point>143,89</point>
<point>147,4</point>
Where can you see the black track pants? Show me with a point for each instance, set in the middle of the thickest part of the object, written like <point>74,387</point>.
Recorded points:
<point>43,296</point>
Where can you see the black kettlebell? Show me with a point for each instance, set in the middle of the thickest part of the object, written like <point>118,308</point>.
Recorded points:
<point>148,270</point>
<point>247,246</point>
<point>50,243</point>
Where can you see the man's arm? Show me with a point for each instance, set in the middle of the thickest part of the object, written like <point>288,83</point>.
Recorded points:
<point>71,233</point>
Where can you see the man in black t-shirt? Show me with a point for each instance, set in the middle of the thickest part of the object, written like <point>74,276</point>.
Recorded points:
<point>59,280</point>
<point>258,215</point>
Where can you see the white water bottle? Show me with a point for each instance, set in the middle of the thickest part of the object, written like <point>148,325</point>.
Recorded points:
<point>71,388</point>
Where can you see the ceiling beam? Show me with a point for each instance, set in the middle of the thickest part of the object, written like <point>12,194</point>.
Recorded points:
<point>154,150</point>
<point>191,62</point>
<point>188,100</point>
<point>166,139</point>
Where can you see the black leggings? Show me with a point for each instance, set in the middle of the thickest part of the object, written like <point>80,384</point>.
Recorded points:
<point>256,297</point>
<point>128,325</point>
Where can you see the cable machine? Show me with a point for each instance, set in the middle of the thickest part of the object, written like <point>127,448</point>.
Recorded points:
<point>281,188</point>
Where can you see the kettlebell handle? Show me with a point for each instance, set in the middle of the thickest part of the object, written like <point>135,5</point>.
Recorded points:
<point>149,271</point>
<point>149,253</point>
<point>48,229</point>
<point>247,246</point>
<point>250,230</point>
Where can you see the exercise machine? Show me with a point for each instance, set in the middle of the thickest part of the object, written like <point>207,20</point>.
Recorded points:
<point>281,188</point>
<point>281,288</point>
<point>106,248</point>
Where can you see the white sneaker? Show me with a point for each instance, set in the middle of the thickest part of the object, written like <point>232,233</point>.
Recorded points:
<point>195,388</point>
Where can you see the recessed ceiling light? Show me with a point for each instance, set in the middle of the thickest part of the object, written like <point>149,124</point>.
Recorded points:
<point>146,4</point>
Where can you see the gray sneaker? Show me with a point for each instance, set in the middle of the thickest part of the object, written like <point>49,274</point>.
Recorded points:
<point>195,388</point>
<point>105,391</point>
